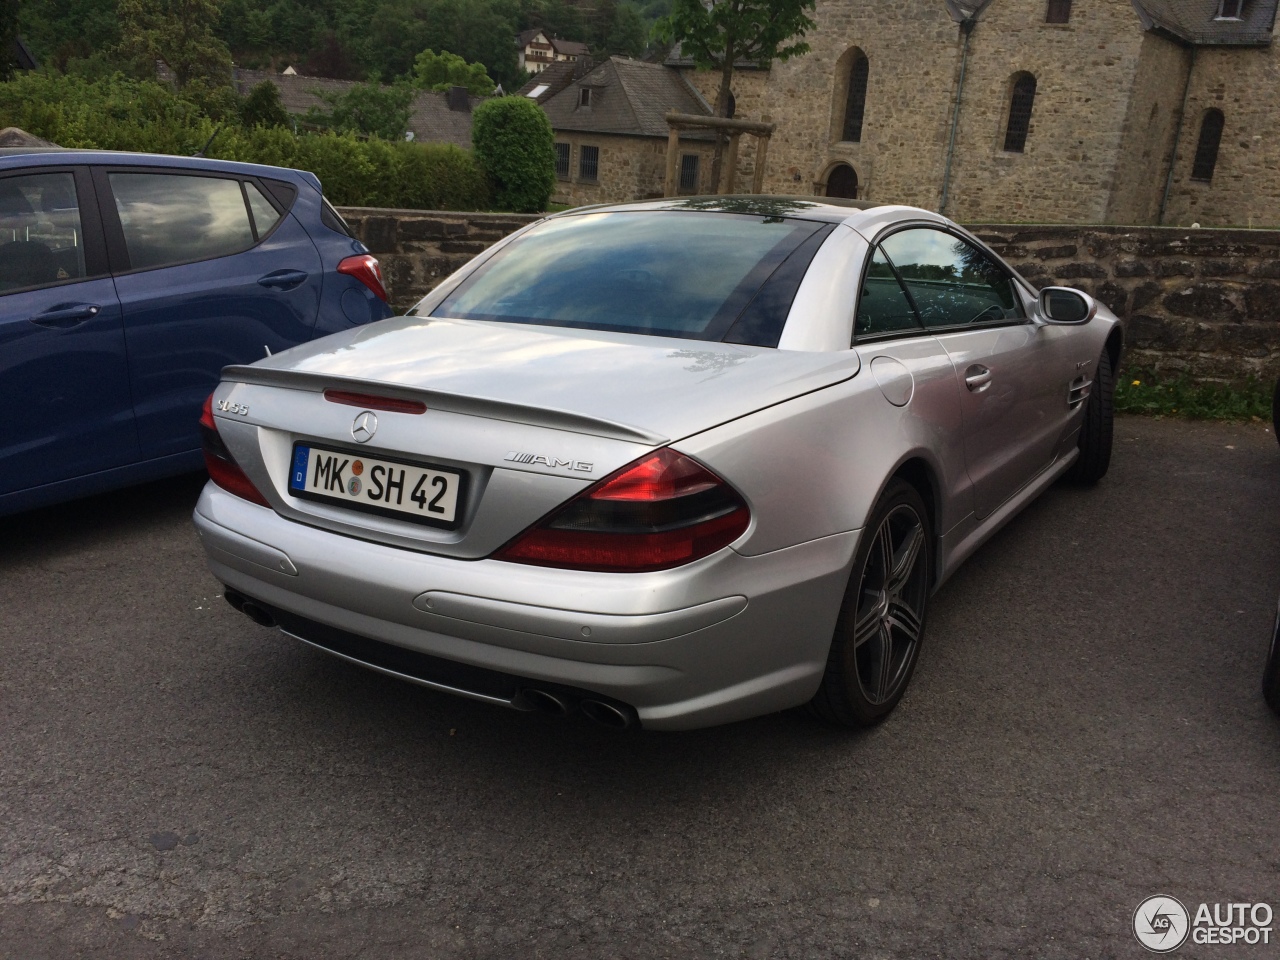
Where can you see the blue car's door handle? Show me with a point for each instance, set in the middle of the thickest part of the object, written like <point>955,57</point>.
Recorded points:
<point>284,279</point>
<point>67,315</point>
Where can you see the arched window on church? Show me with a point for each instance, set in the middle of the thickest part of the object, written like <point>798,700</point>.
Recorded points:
<point>1207,149</point>
<point>1020,104</point>
<point>855,104</point>
<point>1059,12</point>
<point>849,96</point>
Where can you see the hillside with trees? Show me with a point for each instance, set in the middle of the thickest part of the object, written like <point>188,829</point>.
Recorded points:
<point>341,39</point>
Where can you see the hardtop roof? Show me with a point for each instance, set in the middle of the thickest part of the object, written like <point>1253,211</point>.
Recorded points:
<point>825,209</point>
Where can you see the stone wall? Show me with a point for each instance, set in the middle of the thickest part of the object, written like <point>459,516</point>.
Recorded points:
<point>1204,302</point>
<point>1107,104</point>
<point>1245,189</point>
<point>630,168</point>
<point>419,248</point>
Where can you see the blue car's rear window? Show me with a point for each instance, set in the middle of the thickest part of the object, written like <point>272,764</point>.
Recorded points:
<point>700,276</point>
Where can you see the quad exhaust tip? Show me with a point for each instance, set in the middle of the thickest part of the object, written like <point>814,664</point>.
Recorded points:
<point>560,705</point>
<point>553,702</point>
<point>606,714</point>
<point>258,614</point>
<point>544,701</point>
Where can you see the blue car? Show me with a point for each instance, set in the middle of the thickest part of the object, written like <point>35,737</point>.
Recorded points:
<point>127,282</point>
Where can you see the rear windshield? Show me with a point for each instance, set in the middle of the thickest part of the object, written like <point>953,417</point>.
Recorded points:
<point>699,276</point>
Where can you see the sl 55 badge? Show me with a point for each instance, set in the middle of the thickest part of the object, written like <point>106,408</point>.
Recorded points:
<point>238,409</point>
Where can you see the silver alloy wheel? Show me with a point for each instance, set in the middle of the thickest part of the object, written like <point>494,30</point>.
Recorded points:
<point>891,597</point>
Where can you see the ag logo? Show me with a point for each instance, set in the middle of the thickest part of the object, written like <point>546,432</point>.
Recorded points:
<point>1161,924</point>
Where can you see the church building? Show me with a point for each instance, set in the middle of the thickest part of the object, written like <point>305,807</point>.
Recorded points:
<point>1085,111</point>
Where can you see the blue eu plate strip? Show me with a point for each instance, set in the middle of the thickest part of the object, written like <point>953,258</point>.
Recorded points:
<point>298,476</point>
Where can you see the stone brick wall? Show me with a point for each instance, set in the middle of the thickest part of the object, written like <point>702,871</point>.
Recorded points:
<point>419,248</point>
<point>1245,189</point>
<point>1204,302</point>
<point>630,168</point>
<point>1107,104</point>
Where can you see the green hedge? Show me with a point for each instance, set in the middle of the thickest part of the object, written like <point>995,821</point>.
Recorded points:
<point>117,113</point>
<point>514,144</point>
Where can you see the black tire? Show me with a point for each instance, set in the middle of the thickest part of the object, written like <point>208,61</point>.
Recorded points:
<point>882,618</point>
<point>1275,411</point>
<point>1271,676</point>
<point>1095,432</point>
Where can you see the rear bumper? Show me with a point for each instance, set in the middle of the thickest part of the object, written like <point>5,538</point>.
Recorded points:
<point>719,640</point>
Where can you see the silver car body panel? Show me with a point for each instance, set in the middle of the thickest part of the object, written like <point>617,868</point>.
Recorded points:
<point>591,380</point>
<point>805,434</point>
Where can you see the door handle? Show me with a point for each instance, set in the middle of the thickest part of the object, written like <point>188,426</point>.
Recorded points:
<point>977,378</point>
<point>67,315</point>
<point>283,279</point>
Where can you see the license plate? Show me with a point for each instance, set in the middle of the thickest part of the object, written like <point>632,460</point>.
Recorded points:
<point>407,491</point>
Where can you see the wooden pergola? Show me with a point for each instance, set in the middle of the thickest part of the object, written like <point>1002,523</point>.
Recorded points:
<point>729,169</point>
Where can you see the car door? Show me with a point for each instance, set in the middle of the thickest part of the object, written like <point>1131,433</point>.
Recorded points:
<point>1011,372</point>
<point>210,270</point>
<point>64,379</point>
<point>909,365</point>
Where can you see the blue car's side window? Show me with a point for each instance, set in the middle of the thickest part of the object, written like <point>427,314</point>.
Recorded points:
<point>41,236</point>
<point>171,218</point>
<point>265,216</point>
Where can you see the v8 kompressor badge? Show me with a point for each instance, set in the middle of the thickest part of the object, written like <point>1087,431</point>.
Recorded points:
<point>555,463</point>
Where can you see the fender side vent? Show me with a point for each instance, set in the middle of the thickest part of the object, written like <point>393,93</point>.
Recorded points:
<point>1078,391</point>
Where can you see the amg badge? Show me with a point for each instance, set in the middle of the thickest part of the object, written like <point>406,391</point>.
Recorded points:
<point>552,462</point>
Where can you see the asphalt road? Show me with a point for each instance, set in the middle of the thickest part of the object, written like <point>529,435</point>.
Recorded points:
<point>1085,730</point>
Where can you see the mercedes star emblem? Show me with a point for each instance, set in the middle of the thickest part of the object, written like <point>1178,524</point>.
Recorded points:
<point>365,427</point>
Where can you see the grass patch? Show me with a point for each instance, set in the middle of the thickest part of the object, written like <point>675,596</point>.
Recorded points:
<point>1141,392</point>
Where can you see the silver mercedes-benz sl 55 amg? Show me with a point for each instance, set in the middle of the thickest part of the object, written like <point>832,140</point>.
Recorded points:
<point>670,463</point>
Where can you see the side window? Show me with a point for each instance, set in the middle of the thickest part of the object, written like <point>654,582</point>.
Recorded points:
<point>952,282</point>
<point>41,238</point>
<point>265,216</point>
<point>176,218</point>
<point>689,173</point>
<point>588,163</point>
<point>332,219</point>
<point>883,306</point>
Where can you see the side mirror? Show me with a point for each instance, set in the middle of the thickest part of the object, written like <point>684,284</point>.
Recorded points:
<point>1064,305</point>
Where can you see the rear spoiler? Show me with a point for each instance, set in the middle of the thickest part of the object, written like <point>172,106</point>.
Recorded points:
<point>453,403</point>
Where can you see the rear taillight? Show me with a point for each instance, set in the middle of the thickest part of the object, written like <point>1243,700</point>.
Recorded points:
<point>222,467</point>
<point>365,269</point>
<point>661,511</point>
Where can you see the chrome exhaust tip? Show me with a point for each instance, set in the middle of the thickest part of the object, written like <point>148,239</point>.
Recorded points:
<point>543,701</point>
<point>235,599</point>
<point>607,714</point>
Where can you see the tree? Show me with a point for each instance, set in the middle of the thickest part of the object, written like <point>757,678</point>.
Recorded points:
<point>331,60</point>
<point>475,30</point>
<point>62,30</point>
<point>8,37</point>
<point>440,71</point>
<point>262,107</point>
<point>179,32</point>
<point>514,144</point>
<point>369,108</point>
<point>615,28</point>
<point>718,34</point>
